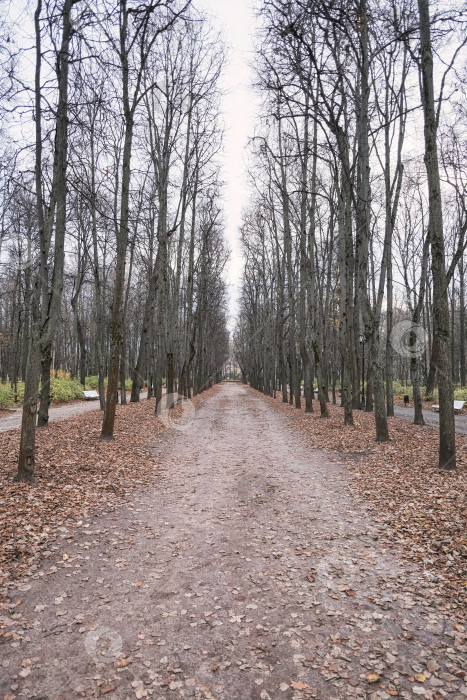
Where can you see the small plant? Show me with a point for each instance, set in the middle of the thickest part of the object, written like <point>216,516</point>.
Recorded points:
<point>92,382</point>
<point>7,396</point>
<point>65,389</point>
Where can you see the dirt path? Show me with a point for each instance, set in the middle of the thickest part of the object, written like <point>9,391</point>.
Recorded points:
<point>247,571</point>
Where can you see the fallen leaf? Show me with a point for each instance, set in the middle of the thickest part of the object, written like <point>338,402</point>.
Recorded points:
<point>175,685</point>
<point>372,677</point>
<point>122,662</point>
<point>107,688</point>
<point>298,685</point>
<point>139,689</point>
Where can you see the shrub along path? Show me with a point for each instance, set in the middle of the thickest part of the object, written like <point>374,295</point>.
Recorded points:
<point>247,566</point>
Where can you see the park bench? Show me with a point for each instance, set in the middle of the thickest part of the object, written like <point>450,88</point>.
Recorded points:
<point>458,406</point>
<point>89,395</point>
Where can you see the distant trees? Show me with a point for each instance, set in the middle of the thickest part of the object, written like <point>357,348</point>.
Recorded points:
<point>112,269</point>
<point>342,115</point>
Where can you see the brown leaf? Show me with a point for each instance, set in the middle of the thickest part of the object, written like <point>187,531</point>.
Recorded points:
<point>107,688</point>
<point>122,662</point>
<point>372,677</point>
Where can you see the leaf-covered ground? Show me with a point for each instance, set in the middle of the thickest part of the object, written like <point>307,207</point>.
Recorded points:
<point>243,565</point>
<point>423,508</point>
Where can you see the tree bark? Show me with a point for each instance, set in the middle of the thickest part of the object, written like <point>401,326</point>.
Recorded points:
<point>46,318</point>
<point>116,322</point>
<point>447,443</point>
<point>462,322</point>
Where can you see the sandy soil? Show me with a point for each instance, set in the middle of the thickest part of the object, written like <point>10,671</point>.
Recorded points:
<point>247,570</point>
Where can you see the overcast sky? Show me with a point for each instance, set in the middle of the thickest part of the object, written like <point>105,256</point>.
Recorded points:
<point>236,20</point>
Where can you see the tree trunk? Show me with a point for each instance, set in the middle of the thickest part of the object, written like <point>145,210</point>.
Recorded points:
<point>462,322</point>
<point>121,229</point>
<point>345,302</point>
<point>447,444</point>
<point>417,395</point>
<point>170,374</point>
<point>389,348</point>
<point>123,370</point>
<point>27,450</point>
<point>46,366</point>
<point>46,318</point>
<point>363,214</point>
<point>432,372</point>
<point>146,339</point>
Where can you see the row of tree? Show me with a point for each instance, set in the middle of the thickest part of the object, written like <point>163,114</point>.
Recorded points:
<point>112,245</point>
<point>355,236</point>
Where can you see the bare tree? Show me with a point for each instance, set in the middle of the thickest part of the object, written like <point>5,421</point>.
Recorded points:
<point>46,301</point>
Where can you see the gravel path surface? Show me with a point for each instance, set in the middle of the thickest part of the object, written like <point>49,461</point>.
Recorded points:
<point>248,570</point>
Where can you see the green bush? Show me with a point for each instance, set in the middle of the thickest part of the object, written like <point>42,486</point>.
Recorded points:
<point>460,394</point>
<point>92,382</point>
<point>61,390</point>
<point>7,396</point>
<point>401,390</point>
<point>65,389</point>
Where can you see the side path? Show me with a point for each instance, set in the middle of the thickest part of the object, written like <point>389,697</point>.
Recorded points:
<point>431,418</point>
<point>247,571</point>
<point>10,420</point>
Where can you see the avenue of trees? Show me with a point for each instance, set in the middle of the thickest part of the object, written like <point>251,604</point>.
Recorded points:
<point>355,236</point>
<point>111,242</point>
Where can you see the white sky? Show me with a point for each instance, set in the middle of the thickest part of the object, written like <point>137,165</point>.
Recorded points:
<point>236,20</point>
